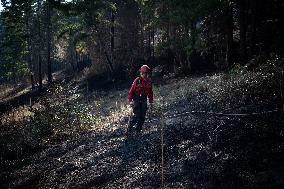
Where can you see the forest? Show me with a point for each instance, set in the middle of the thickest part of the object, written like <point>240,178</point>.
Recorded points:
<point>216,69</point>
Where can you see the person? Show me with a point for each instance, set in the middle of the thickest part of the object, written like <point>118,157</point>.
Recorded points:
<point>140,90</point>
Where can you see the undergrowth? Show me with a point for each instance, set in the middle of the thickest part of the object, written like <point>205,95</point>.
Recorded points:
<point>62,113</point>
<point>65,111</point>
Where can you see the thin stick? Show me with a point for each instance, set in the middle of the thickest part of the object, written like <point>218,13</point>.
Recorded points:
<point>281,91</point>
<point>162,150</point>
<point>30,109</point>
<point>23,113</point>
<point>87,91</point>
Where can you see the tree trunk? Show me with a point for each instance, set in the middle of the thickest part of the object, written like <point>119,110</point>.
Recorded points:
<point>186,37</point>
<point>149,42</point>
<point>29,43</point>
<point>193,35</point>
<point>254,16</point>
<point>102,45</point>
<point>39,48</point>
<point>49,71</point>
<point>153,41</point>
<point>109,62</point>
<point>112,37</point>
<point>243,30</point>
<point>229,37</point>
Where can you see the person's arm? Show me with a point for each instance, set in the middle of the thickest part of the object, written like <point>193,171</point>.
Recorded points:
<point>131,91</point>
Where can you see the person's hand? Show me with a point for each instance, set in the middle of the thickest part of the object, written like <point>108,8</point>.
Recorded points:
<point>131,103</point>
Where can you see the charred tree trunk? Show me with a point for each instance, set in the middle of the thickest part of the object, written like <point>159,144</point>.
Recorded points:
<point>254,16</point>
<point>229,37</point>
<point>49,71</point>
<point>112,37</point>
<point>193,36</point>
<point>29,44</point>
<point>149,43</point>
<point>153,42</point>
<point>104,50</point>
<point>39,48</point>
<point>186,37</point>
<point>243,30</point>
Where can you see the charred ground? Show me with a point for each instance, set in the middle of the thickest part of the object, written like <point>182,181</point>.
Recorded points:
<point>77,139</point>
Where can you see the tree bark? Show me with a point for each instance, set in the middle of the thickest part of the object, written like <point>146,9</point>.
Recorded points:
<point>49,71</point>
<point>149,42</point>
<point>39,48</point>
<point>254,7</point>
<point>229,37</point>
<point>112,37</point>
<point>153,41</point>
<point>29,43</point>
<point>243,30</point>
<point>109,62</point>
<point>186,37</point>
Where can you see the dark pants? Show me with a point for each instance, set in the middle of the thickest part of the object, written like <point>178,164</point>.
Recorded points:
<point>139,111</point>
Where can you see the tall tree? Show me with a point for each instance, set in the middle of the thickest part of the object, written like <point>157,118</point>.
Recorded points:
<point>243,28</point>
<point>39,44</point>
<point>229,34</point>
<point>112,36</point>
<point>49,71</point>
<point>28,17</point>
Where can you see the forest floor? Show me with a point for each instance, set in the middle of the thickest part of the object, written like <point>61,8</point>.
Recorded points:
<point>219,130</point>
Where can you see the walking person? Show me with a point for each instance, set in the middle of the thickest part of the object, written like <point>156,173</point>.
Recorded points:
<point>140,90</point>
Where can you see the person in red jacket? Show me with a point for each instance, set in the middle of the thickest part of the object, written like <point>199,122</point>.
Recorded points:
<point>140,90</point>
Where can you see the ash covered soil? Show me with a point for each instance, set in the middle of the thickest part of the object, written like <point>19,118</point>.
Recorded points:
<point>201,149</point>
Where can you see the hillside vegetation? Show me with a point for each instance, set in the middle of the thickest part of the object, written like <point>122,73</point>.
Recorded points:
<point>220,131</point>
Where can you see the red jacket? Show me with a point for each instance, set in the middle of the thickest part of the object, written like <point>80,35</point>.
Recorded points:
<point>141,86</point>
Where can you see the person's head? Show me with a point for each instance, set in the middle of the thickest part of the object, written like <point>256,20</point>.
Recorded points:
<point>144,71</point>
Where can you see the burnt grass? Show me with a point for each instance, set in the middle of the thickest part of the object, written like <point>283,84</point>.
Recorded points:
<point>201,150</point>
